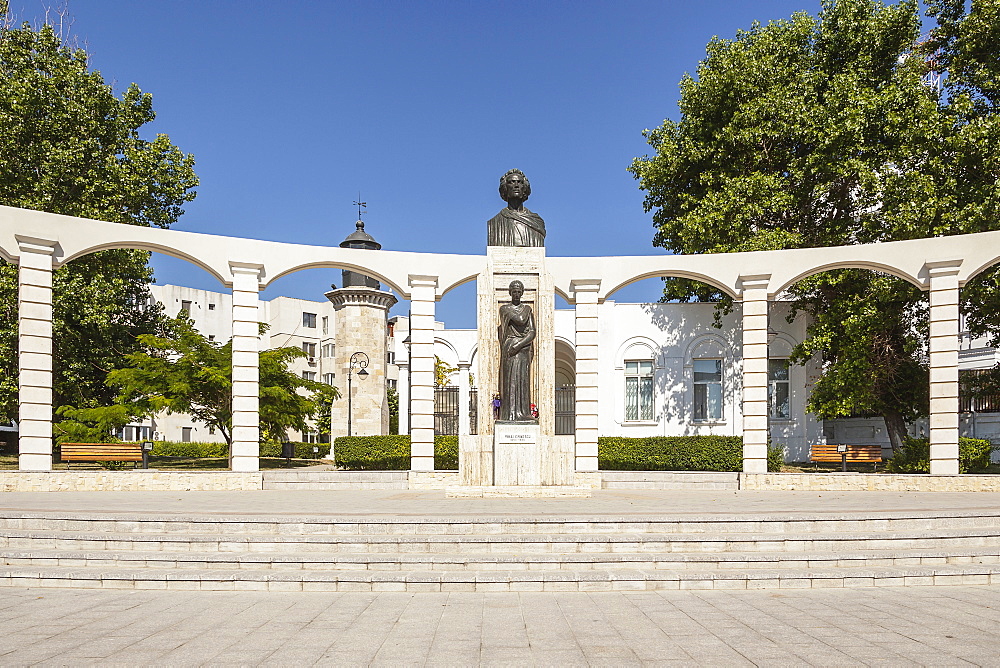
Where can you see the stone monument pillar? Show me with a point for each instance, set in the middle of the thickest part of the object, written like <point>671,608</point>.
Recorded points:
<point>362,310</point>
<point>519,457</point>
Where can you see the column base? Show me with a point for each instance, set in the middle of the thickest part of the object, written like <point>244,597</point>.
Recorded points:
<point>944,467</point>
<point>244,464</point>
<point>34,462</point>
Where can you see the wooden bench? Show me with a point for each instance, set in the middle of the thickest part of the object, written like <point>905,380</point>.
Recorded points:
<point>823,452</point>
<point>100,452</point>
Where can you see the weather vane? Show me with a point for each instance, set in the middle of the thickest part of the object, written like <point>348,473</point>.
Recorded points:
<point>361,205</point>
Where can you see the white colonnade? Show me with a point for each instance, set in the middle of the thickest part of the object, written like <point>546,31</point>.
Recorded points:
<point>40,242</point>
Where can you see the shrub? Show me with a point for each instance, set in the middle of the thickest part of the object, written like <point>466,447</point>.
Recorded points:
<point>677,453</point>
<point>302,450</point>
<point>915,455</point>
<point>202,450</point>
<point>193,450</point>
<point>390,453</point>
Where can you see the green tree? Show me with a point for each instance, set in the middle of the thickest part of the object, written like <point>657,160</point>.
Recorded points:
<point>442,372</point>
<point>392,398</point>
<point>819,131</point>
<point>182,371</point>
<point>69,145</point>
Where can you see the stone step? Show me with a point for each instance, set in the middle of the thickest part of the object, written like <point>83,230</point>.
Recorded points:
<point>422,581</point>
<point>484,561</point>
<point>231,541</point>
<point>562,524</point>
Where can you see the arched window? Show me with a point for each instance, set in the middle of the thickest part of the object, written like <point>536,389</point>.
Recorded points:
<point>710,360</point>
<point>639,369</point>
<point>707,389</point>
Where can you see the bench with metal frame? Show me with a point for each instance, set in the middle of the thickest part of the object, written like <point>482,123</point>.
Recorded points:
<point>824,452</point>
<point>101,452</point>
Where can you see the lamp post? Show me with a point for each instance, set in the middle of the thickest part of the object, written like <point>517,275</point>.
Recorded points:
<point>361,360</point>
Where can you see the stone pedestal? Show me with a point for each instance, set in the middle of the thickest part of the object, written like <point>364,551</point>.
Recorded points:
<point>516,454</point>
<point>511,456</point>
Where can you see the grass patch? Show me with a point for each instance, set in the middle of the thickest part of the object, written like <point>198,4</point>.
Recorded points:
<point>9,463</point>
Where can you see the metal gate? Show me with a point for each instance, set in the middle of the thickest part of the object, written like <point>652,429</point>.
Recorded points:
<point>566,410</point>
<point>446,411</point>
<point>447,401</point>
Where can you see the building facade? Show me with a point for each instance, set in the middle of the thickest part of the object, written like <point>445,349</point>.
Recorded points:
<point>667,370</point>
<point>299,323</point>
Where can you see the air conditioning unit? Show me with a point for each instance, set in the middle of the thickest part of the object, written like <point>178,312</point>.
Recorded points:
<point>312,360</point>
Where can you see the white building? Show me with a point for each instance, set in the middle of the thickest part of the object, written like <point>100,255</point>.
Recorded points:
<point>300,323</point>
<point>666,370</point>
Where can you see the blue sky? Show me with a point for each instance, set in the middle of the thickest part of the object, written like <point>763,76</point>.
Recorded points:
<point>291,108</point>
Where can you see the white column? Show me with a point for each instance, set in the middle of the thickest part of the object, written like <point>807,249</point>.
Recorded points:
<point>944,365</point>
<point>753,290</point>
<point>34,302</point>
<point>423,293</point>
<point>585,296</point>
<point>463,398</point>
<point>245,452</point>
<point>403,389</point>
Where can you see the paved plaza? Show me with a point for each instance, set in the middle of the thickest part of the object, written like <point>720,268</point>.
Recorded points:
<point>931,626</point>
<point>424,503</point>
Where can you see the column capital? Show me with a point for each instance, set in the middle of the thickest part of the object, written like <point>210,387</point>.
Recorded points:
<point>585,285</point>
<point>753,282</point>
<point>422,281</point>
<point>247,268</point>
<point>28,244</point>
<point>942,268</point>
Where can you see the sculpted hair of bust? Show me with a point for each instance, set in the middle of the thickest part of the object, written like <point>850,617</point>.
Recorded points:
<point>503,184</point>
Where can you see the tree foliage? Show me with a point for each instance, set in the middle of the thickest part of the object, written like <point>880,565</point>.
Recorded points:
<point>69,145</point>
<point>820,131</point>
<point>442,372</point>
<point>181,371</point>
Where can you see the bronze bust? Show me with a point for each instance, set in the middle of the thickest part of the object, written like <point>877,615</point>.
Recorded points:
<point>515,225</point>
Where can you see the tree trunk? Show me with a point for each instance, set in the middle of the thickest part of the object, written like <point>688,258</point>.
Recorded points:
<point>896,428</point>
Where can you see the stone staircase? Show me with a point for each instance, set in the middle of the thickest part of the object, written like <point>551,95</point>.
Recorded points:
<point>514,553</point>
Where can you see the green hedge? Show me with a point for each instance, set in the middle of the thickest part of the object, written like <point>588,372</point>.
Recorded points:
<point>390,453</point>
<point>302,450</point>
<point>201,450</point>
<point>193,450</point>
<point>658,453</point>
<point>677,453</point>
<point>915,455</point>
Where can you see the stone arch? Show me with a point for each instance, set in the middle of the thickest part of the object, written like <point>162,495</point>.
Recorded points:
<point>986,266</point>
<point>456,283</point>
<point>440,341</point>
<point>361,269</point>
<point>163,249</point>
<point>674,273</point>
<point>781,345</point>
<point>847,264</point>
<point>637,345</point>
<point>708,345</point>
<point>565,362</point>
